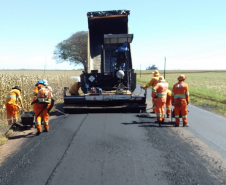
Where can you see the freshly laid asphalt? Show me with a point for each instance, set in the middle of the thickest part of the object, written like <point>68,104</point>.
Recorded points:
<point>117,148</point>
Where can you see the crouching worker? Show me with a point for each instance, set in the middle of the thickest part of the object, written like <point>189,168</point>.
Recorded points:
<point>11,105</point>
<point>44,102</point>
<point>75,87</point>
<point>160,91</point>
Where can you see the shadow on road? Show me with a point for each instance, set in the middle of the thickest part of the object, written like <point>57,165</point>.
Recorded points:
<point>29,135</point>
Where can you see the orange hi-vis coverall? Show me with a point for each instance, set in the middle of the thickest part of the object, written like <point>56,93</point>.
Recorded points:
<point>160,91</point>
<point>42,114</point>
<point>168,103</point>
<point>152,84</point>
<point>74,89</point>
<point>180,98</point>
<point>12,106</point>
<point>35,94</point>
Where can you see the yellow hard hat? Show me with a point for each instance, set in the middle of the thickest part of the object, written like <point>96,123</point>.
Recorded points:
<point>156,73</point>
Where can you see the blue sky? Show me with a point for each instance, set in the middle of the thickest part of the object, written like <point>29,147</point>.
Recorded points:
<point>191,34</point>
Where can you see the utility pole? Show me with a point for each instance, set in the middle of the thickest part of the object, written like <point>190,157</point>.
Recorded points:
<point>164,68</point>
<point>45,67</point>
<point>140,70</point>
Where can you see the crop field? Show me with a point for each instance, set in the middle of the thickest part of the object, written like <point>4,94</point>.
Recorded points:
<point>207,88</point>
<point>26,80</point>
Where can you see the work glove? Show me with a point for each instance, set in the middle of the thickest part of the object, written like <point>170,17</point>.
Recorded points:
<point>187,102</point>
<point>172,104</point>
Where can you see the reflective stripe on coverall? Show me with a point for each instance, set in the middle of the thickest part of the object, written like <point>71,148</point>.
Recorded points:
<point>180,97</point>
<point>160,91</point>
<point>152,84</point>
<point>74,89</point>
<point>12,106</point>
<point>168,103</point>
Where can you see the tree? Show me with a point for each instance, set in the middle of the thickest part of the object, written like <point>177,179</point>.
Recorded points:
<point>73,50</point>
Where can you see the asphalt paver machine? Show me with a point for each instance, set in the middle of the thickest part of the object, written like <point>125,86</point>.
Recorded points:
<point>110,81</point>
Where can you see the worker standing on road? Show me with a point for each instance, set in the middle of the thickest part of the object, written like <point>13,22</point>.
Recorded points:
<point>152,84</point>
<point>38,85</point>
<point>11,105</point>
<point>160,92</point>
<point>43,104</point>
<point>180,100</point>
<point>168,103</point>
<point>75,87</point>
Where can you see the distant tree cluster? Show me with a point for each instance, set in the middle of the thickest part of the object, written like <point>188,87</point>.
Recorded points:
<point>153,67</point>
<point>73,49</point>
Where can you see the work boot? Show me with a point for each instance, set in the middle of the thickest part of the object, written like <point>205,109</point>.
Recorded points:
<point>167,116</point>
<point>185,125</point>
<point>13,126</point>
<point>46,130</point>
<point>176,125</point>
<point>38,132</point>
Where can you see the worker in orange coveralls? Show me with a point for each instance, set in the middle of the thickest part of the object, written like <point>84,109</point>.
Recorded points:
<point>38,85</point>
<point>160,92</point>
<point>11,105</point>
<point>75,87</point>
<point>43,103</point>
<point>152,84</point>
<point>168,103</point>
<point>180,100</point>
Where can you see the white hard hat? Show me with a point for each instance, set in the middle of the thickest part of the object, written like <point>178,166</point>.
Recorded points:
<point>45,82</point>
<point>76,78</point>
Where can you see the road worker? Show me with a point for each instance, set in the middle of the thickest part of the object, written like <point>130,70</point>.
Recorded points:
<point>168,103</point>
<point>152,84</point>
<point>180,100</point>
<point>11,105</point>
<point>43,105</point>
<point>38,85</point>
<point>75,87</point>
<point>160,92</point>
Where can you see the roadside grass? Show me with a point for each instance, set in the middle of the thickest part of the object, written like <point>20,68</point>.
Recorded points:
<point>207,88</point>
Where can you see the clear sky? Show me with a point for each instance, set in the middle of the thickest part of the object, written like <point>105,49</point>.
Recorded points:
<point>191,34</point>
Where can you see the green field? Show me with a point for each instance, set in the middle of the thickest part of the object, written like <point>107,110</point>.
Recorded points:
<point>207,88</point>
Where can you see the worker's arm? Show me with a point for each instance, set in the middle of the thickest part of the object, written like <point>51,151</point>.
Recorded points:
<point>36,91</point>
<point>20,99</point>
<point>150,84</point>
<point>172,95</point>
<point>187,94</point>
<point>154,91</point>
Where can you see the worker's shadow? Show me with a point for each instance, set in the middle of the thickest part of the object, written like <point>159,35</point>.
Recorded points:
<point>29,135</point>
<point>147,119</point>
<point>135,123</point>
<point>162,125</point>
<point>21,128</point>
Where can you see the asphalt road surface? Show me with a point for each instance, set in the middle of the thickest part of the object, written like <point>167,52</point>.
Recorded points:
<point>124,149</point>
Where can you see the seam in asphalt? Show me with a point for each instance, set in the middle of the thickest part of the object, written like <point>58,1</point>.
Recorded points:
<point>60,161</point>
